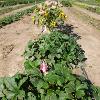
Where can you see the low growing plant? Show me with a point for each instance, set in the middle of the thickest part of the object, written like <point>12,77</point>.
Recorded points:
<point>17,16</point>
<point>57,84</point>
<point>56,47</point>
<point>66,3</point>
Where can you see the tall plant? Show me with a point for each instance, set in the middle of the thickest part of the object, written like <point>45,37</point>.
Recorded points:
<point>49,15</point>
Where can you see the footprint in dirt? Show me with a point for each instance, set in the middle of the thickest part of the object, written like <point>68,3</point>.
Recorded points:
<point>7,49</point>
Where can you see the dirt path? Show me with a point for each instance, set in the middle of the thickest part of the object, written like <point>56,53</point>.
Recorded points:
<point>13,39</point>
<point>90,43</point>
<point>93,15</point>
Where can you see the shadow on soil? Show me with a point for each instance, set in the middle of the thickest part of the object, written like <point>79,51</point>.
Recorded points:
<point>68,29</point>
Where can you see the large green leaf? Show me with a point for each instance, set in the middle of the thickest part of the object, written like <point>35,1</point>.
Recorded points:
<point>1,87</point>
<point>31,96</point>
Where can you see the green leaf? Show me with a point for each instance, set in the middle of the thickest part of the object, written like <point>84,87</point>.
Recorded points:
<point>31,96</point>
<point>10,83</point>
<point>9,94</point>
<point>28,65</point>
<point>34,72</point>
<point>21,95</point>
<point>81,87</point>
<point>22,81</point>
<point>51,97</point>
<point>1,87</point>
<point>80,94</point>
<point>43,85</point>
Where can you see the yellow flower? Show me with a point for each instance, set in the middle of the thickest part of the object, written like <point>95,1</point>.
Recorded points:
<point>61,14</point>
<point>46,14</point>
<point>33,18</point>
<point>53,24</point>
<point>66,17</point>
<point>40,21</point>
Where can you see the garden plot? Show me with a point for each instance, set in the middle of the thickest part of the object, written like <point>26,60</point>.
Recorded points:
<point>19,32</point>
<point>47,72</point>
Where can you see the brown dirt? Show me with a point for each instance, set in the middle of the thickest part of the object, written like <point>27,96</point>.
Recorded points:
<point>90,41</point>
<point>15,11</point>
<point>14,37</point>
<point>93,15</point>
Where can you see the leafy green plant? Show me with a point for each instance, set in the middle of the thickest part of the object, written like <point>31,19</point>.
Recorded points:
<point>56,47</point>
<point>52,78</point>
<point>12,18</point>
<point>58,84</point>
<point>15,2</point>
<point>66,3</point>
<point>9,9</point>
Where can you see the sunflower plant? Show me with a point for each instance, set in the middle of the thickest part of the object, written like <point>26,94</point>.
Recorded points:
<point>49,15</point>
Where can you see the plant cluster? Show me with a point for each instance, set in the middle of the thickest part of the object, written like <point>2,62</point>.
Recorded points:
<point>12,18</point>
<point>15,2</point>
<point>49,15</point>
<point>9,9</point>
<point>56,47</point>
<point>45,81</point>
<point>66,3</point>
<point>58,84</point>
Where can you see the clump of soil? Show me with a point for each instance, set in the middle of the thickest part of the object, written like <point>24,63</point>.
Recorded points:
<point>7,49</point>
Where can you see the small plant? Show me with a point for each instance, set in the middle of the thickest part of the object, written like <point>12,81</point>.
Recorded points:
<point>17,16</point>
<point>66,3</point>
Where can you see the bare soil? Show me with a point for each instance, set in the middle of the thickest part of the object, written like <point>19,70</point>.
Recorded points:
<point>14,38</point>
<point>90,41</point>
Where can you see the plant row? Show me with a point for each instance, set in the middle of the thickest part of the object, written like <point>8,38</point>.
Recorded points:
<point>12,18</point>
<point>9,9</point>
<point>15,2</point>
<point>91,8</point>
<point>66,3</point>
<point>90,2</point>
<point>56,52</point>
